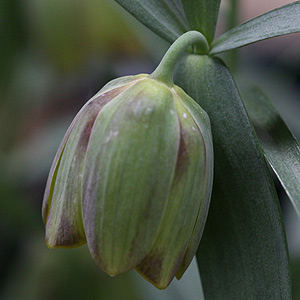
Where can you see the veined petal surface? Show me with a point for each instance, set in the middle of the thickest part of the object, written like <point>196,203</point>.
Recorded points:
<point>205,187</point>
<point>62,200</point>
<point>129,167</point>
<point>162,263</point>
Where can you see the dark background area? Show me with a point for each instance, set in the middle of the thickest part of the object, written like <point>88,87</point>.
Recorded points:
<point>55,55</point>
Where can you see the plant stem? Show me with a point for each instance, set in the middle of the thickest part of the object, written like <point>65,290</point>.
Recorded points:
<point>164,71</point>
<point>232,57</point>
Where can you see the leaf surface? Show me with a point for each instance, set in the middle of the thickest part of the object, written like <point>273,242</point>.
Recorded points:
<point>165,17</point>
<point>280,147</point>
<point>243,253</point>
<point>202,15</point>
<point>280,21</point>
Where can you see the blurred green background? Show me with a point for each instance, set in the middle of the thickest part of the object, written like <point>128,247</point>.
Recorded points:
<point>54,55</point>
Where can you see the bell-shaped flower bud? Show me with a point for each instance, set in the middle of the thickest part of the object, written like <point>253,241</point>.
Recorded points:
<point>133,179</point>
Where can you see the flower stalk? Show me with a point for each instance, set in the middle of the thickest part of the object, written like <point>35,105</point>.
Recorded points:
<point>164,71</point>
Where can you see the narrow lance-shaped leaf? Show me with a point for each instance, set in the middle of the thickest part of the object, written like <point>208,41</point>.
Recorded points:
<point>243,252</point>
<point>280,147</point>
<point>165,17</point>
<point>202,15</point>
<point>280,21</point>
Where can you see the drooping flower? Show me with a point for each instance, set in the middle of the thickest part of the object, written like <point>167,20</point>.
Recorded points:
<point>133,178</point>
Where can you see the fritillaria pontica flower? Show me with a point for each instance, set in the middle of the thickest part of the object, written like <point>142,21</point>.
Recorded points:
<point>132,179</point>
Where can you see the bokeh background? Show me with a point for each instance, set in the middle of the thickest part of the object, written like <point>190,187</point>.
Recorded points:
<point>54,55</point>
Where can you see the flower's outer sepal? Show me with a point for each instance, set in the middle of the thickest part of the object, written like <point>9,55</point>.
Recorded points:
<point>203,123</point>
<point>62,199</point>
<point>121,82</point>
<point>128,172</point>
<point>192,181</point>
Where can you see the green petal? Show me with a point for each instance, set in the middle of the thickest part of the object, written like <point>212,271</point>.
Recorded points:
<point>128,171</point>
<point>185,200</point>
<point>119,82</point>
<point>64,226</point>
<point>203,123</point>
<point>52,177</point>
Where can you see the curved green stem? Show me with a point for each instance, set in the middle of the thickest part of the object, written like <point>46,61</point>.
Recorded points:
<point>164,71</point>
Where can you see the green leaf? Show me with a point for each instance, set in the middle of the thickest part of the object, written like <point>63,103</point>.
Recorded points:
<point>280,147</point>
<point>202,15</point>
<point>243,253</point>
<point>280,21</point>
<point>165,17</point>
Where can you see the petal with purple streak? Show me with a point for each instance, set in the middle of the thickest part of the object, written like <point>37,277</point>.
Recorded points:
<point>62,200</point>
<point>183,205</point>
<point>128,172</point>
